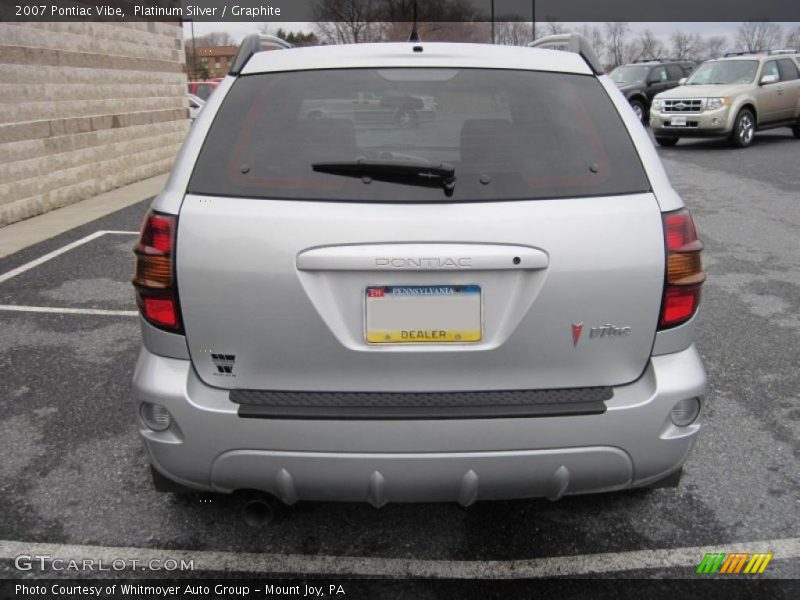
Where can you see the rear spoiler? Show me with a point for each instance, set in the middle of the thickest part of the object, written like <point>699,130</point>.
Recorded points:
<point>251,45</point>
<point>568,42</point>
<point>571,42</point>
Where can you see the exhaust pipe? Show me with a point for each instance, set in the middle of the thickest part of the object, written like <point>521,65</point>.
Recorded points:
<point>259,511</point>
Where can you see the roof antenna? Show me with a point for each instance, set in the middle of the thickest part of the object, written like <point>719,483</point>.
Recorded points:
<point>414,37</point>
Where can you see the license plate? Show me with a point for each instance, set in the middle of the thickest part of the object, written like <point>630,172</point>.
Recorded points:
<point>403,314</point>
<point>678,121</point>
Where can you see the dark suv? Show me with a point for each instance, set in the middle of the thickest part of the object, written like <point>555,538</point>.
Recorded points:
<point>641,81</point>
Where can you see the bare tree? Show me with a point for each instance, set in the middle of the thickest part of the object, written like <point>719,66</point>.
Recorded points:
<point>715,46</point>
<point>594,34</point>
<point>686,46</point>
<point>758,36</point>
<point>444,11</point>
<point>445,31</point>
<point>648,47</point>
<point>439,31</point>
<point>350,32</point>
<point>617,46</point>
<point>347,21</point>
<point>214,38</point>
<point>355,21</point>
<point>514,33</point>
<point>793,39</point>
<point>553,27</point>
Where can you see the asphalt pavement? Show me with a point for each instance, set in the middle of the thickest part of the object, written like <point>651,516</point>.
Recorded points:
<point>74,472</point>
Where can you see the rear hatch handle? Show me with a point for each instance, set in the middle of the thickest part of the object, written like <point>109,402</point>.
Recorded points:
<point>423,257</point>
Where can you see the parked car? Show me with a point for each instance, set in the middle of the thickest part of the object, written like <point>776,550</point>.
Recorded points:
<point>497,304</point>
<point>202,89</point>
<point>196,104</point>
<point>731,97</point>
<point>404,110</point>
<point>640,82</point>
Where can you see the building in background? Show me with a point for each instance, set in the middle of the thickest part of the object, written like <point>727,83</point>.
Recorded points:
<point>212,61</point>
<point>86,108</point>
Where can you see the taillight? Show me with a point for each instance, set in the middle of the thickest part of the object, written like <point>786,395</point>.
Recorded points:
<point>154,277</point>
<point>685,275</point>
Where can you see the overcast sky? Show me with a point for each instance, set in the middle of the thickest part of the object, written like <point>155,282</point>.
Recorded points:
<point>663,30</point>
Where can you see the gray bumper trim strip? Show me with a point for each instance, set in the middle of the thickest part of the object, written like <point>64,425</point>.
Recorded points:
<point>420,405</point>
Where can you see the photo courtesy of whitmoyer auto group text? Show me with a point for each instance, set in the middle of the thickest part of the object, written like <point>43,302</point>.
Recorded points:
<point>399,299</point>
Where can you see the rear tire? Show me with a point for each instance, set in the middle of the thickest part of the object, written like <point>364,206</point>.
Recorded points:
<point>744,129</point>
<point>666,141</point>
<point>796,130</point>
<point>640,110</point>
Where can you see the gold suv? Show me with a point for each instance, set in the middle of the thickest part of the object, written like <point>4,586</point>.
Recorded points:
<point>731,97</point>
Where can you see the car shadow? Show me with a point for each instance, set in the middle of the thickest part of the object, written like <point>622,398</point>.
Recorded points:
<point>494,530</point>
<point>696,144</point>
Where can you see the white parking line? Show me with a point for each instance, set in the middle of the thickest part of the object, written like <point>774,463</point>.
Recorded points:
<point>51,255</point>
<point>299,564</point>
<point>67,311</point>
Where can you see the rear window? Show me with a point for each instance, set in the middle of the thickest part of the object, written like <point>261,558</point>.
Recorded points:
<point>506,135</point>
<point>675,72</point>
<point>788,69</point>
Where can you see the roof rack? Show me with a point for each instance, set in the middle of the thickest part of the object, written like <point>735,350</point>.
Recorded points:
<point>251,45</point>
<point>662,61</point>
<point>571,42</point>
<point>762,53</point>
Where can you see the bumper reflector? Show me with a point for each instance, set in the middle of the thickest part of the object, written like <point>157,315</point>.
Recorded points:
<point>685,411</point>
<point>161,311</point>
<point>155,416</point>
<point>680,303</point>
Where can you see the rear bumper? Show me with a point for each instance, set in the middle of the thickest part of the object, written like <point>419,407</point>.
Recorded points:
<point>209,447</point>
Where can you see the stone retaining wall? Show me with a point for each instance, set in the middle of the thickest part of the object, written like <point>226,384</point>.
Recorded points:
<point>85,108</point>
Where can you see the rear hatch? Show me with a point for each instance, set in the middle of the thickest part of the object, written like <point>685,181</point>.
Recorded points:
<point>538,265</point>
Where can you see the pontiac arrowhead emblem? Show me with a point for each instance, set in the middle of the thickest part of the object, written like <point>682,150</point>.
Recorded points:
<point>576,333</point>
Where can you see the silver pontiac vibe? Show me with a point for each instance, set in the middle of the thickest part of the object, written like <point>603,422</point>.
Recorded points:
<point>418,272</point>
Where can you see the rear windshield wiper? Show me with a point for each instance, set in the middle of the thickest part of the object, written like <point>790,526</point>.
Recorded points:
<point>413,172</point>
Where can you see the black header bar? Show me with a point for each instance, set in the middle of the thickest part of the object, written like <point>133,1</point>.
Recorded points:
<point>401,10</point>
